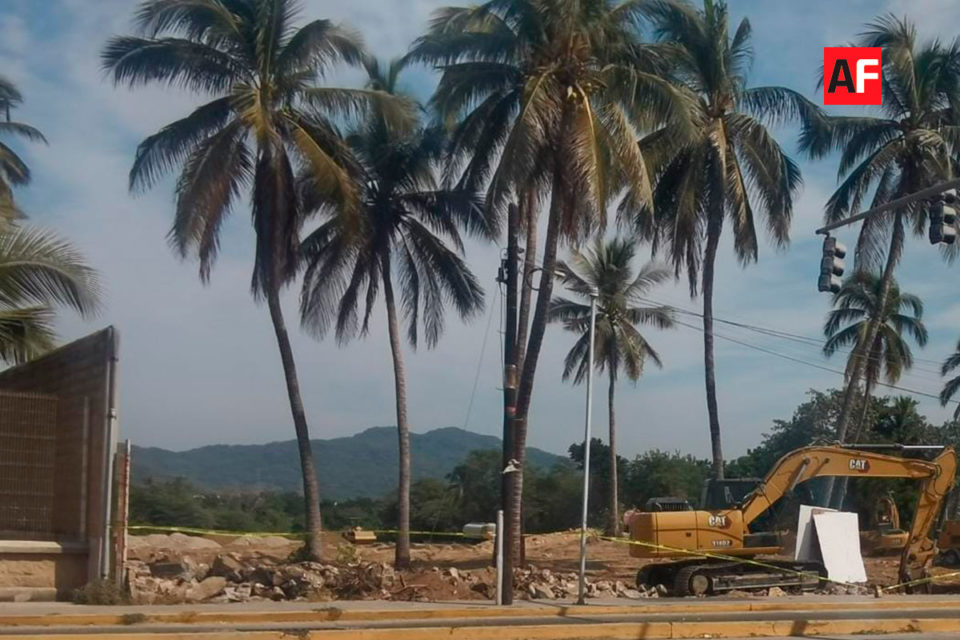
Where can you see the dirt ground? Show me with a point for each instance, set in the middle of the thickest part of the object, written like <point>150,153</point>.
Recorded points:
<point>430,573</point>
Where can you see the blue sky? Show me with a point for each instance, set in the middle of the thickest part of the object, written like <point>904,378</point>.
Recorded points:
<point>199,364</point>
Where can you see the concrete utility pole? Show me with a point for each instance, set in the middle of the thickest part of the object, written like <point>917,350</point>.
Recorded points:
<point>508,278</point>
<point>582,595</point>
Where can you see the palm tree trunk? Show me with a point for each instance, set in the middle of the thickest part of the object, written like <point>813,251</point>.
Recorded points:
<point>614,527</point>
<point>714,227</point>
<point>841,490</point>
<point>311,488</point>
<point>402,555</point>
<point>849,394</point>
<point>538,327</point>
<point>526,282</point>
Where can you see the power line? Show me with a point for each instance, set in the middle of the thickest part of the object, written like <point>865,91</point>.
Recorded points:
<point>476,377</point>
<point>778,333</point>
<point>808,363</point>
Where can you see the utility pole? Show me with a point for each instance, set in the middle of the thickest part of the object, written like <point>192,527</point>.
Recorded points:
<point>582,591</point>
<point>508,277</point>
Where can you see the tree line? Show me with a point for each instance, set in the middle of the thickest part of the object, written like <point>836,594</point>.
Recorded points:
<point>552,496</point>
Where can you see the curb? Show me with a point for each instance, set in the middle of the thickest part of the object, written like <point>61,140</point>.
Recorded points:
<point>333,614</point>
<point>603,631</point>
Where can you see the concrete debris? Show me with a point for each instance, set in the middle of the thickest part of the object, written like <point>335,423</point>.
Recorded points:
<point>543,584</point>
<point>201,591</point>
<point>230,577</point>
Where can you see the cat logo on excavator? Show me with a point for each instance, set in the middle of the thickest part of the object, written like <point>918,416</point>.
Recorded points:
<point>859,464</point>
<point>718,522</point>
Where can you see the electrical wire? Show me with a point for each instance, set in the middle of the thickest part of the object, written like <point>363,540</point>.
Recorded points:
<point>807,362</point>
<point>476,377</point>
<point>807,341</point>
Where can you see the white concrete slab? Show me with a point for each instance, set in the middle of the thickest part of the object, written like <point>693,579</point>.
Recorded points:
<point>807,549</point>
<point>839,536</point>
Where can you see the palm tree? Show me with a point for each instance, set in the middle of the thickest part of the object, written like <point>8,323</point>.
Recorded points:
<point>857,306</point>
<point>950,387</point>
<point>265,117</point>
<point>14,171</point>
<point>607,268</point>
<point>728,165</point>
<point>905,148</point>
<point>38,270</point>
<point>408,234</point>
<point>545,96</point>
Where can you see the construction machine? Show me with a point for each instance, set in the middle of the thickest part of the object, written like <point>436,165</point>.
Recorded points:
<point>885,535</point>
<point>726,532</point>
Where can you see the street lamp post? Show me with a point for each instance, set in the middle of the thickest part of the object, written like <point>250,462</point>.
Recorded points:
<point>582,594</point>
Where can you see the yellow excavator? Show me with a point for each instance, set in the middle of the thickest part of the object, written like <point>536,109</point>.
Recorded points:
<point>673,534</point>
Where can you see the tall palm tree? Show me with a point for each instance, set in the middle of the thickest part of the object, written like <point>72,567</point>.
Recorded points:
<point>14,171</point>
<point>728,166</point>
<point>857,306</point>
<point>266,117</point>
<point>907,146</point>
<point>951,364</point>
<point>607,268</point>
<point>546,95</point>
<point>407,235</point>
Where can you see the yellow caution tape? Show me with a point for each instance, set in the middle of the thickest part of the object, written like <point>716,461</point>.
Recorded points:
<point>919,581</point>
<point>298,536</point>
<point>210,532</point>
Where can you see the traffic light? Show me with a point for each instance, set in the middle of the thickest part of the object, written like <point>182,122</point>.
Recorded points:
<point>831,265</point>
<point>943,218</point>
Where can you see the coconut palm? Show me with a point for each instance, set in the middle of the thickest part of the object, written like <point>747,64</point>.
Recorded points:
<point>546,95</point>
<point>14,171</point>
<point>607,268</point>
<point>950,365</point>
<point>407,236</point>
<point>857,306</point>
<point>266,118</point>
<point>728,166</point>
<point>38,272</point>
<point>905,147</point>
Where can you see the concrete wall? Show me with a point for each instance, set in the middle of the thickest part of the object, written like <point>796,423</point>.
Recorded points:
<point>82,378</point>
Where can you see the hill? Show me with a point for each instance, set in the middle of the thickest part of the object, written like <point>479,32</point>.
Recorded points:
<point>363,465</point>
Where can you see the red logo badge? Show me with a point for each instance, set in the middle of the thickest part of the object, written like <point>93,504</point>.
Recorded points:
<point>852,75</point>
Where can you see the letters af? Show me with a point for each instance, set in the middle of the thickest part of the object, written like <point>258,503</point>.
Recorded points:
<point>852,76</point>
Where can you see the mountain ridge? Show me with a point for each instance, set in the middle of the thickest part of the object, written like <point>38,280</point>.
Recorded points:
<point>363,465</point>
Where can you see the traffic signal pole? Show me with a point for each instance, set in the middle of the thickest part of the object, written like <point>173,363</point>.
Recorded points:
<point>924,194</point>
<point>929,193</point>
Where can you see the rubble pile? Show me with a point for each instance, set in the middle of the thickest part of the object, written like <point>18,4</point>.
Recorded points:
<point>231,577</point>
<point>544,584</point>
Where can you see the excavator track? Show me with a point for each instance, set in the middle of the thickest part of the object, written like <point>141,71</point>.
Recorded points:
<point>703,577</point>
